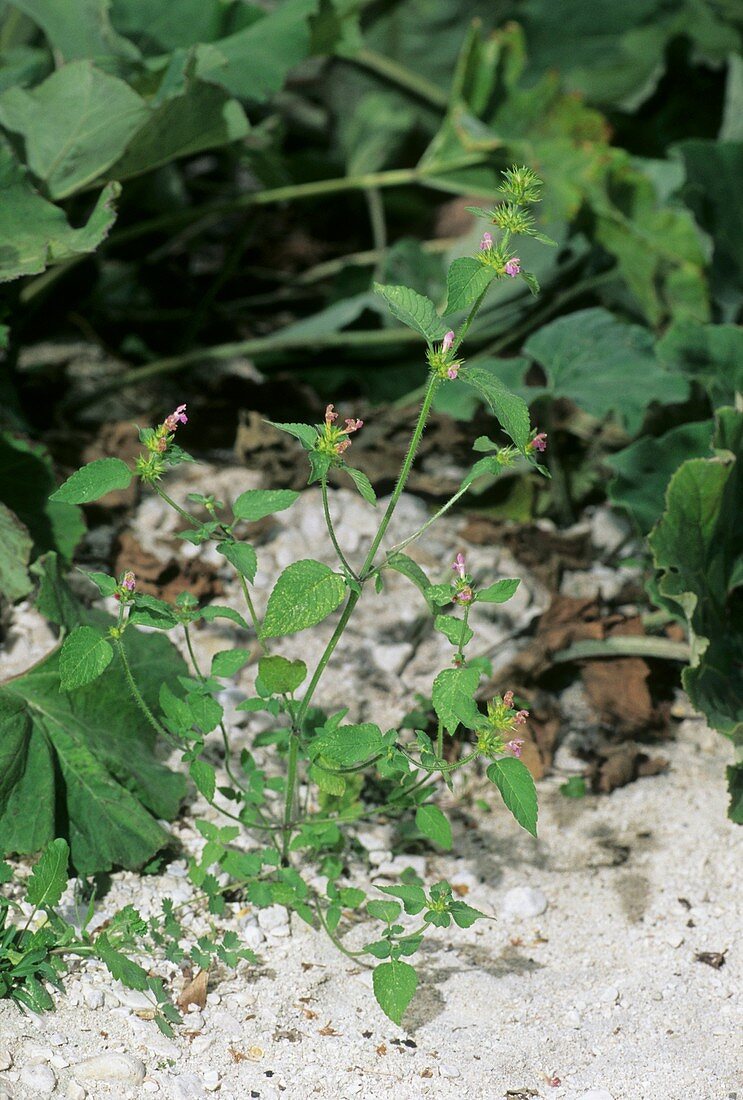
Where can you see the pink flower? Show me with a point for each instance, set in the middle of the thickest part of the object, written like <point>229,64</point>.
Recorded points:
<point>515,745</point>
<point>330,414</point>
<point>508,699</point>
<point>353,425</point>
<point>513,267</point>
<point>464,595</point>
<point>178,417</point>
<point>539,442</point>
<point>521,717</point>
<point>129,581</point>
<point>447,342</point>
<point>487,242</point>
<point>458,566</point>
<point>452,372</point>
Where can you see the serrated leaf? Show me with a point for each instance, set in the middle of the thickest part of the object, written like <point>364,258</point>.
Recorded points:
<point>362,483</point>
<point>413,898</point>
<point>438,595</point>
<point>499,592</point>
<point>93,481</point>
<point>348,745</point>
<point>204,777</point>
<point>17,544</point>
<point>119,966</point>
<point>464,915</point>
<point>328,782</point>
<point>456,630</point>
<point>401,563</point>
<point>387,911</point>
<point>209,614</point>
<point>85,656</point>
<point>26,481</point>
<point>434,825</point>
<point>228,662</point>
<point>49,876</point>
<point>255,504</point>
<point>106,585</point>
<point>394,985</point>
<point>451,688</point>
<point>466,281</point>
<point>242,556</point>
<point>305,433</point>
<point>305,594</point>
<point>514,781</point>
<point>280,676</point>
<point>511,411</point>
<point>414,310</point>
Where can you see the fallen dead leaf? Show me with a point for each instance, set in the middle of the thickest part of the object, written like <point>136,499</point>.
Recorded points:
<point>328,1029</point>
<point>168,579</point>
<point>461,889</point>
<point>715,959</point>
<point>381,1049</point>
<point>237,1055</point>
<point>194,993</point>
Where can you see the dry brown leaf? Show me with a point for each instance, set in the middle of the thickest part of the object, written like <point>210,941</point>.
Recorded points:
<point>194,993</point>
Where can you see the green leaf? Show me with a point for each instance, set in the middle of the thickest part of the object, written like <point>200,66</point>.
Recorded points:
<point>434,825</point>
<point>605,366</point>
<point>514,781</point>
<point>280,676</point>
<point>414,310</point>
<point>204,777</point>
<point>499,592</point>
<point>26,482</point>
<point>209,614</point>
<point>305,594</point>
<point>413,898</point>
<point>149,611</point>
<point>305,433</point>
<point>106,585</point>
<point>456,630</point>
<point>49,877</point>
<point>119,966</point>
<point>348,745</point>
<point>401,563</point>
<point>464,915</point>
<point>83,764</point>
<point>394,988</point>
<point>466,281</point>
<point>74,125</point>
<point>642,470</point>
<point>34,233</point>
<point>242,556</point>
<point>710,354</point>
<point>16,543</point>
<point>698,547</point>
<point>254,62</point>
<point>387,911</point>
<point>85,656</point>
<point>734,773</point>
<point>511,411</point>
<point>78,28</point>
<point>452,688</point>
<point>439,595</point>
<point>229,662</point>
<point>255,504</point>
<point>93,481</point>
<point>362,483</point>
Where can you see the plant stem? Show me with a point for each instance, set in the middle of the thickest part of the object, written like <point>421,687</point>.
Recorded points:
<point>331,530</point>
<point>291,783</point>
<point>404,78</point>
<point>138,698</point>
<point>429,522</point>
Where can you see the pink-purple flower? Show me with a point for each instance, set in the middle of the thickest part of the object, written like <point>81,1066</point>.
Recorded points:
<point>515,745</point>
<point>459,567</point>
<point>178,417</point>
<point>539,442</point>
<point>487,242</point>
<point>447,342</point>
<point>513,267</point>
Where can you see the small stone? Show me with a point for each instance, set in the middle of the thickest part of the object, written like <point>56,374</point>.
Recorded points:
<point>674,939</point>
<point>609,996</point>
<point>227,1023</point>
<point>150,1086</point>
<point>40,1080</point>
<point>524,901</point>
<point>213,999</point>
<point>134,999</point>
<point>448,1071</point>
<point>75,1091</point>
<point>273,918</point>
<point>93,997</point>
<point>6,1060</point>
<point>252,936</point>
<point>211,1080</point>
<point>111,1067</point>
<point>202,1043</point>
<point>572,1018</point>
<point>193,1021</point>
<point>596,1094</point>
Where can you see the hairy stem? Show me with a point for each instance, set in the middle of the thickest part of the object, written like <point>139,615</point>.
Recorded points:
<point>331,530</point>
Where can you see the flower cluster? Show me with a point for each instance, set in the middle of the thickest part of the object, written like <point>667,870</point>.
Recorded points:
<point>463,590</point>
<point>334,441</point>
<point>538,443</point>
<point>163,434</point>
<point>159,443</point>
<point>442,360</point>
<point>498,257</point>
<point>502,720</point>
<point>125,589</point>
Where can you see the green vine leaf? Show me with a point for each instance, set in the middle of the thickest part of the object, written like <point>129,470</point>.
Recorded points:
<point>452,689</point>
<point>511,411</point>
<point>93,481</point>
<point>394,985</point>
<point>514,781</point>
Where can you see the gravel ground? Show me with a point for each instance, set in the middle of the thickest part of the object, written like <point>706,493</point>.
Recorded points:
<point>586,986</point>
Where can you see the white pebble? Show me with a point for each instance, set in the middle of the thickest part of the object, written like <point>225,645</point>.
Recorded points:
<point>524,901</point>
<point>213,999</point>
<point>111,1067</point>
<point>93,997</point>
<point>610,995</point>
<point>448,1071</point>
<point>5,1059</point>
<point>202,1043</point>
<point>572,1018</point>
<point>597,1094</point>
<point>674,939</point>
<point>211,1080</point>
<point>273,919</point>
<point>150,1086</point>
<point>193,1021</point>
<point>40,1080</point>
<point>75,1091</point>
<point>188,1087</point>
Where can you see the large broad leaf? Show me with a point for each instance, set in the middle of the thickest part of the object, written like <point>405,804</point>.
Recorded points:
<point>78,28</point>
<point>33,232</point>
<point>169,23</point>
<point>93,481</point>
<point>83,764</point>
<point>514,781</point>
<point>15,556</point>
<point>604,366</point>
<point>26,482</point>
<point>510,410</point>
<point>414,310</point>
<point>74,125</point>
<point>305,594</point>
<point>253,63</point>
<point>710,354</point>
<point>643,470</point>
<point>714,170</point>
<point>452,689</point>
<point>698,547</point>
<point>49,876</point>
